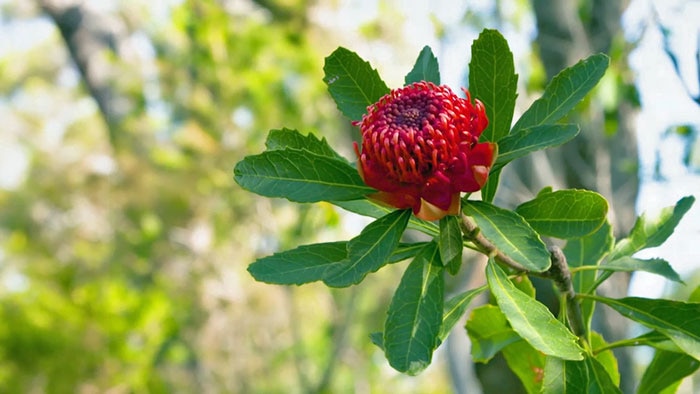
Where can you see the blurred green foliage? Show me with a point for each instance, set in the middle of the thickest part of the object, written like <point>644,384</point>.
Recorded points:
<point>123,251</point>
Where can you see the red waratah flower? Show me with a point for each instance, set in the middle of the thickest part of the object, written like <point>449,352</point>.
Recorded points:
<point>420,149</point>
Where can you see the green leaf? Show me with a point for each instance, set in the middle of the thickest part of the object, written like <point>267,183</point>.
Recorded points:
<point>489,332</point>
<point>565,214</point>
<point>680,321</point>
<point>292,139</point>
<point>650,232</point>
<point>450,243</point>
<point>352,82</point>
<point>573,377</point>
<point>300,176</point>
<point>654,266</point>
<point>425,69</point>
<point>415,315</point>
<point>510,233</point>
<point>369,208</point>
<point>606,358</point>
<point>307,263</point>
<point>455,308</point>
<point>530,319</point>
<point>406,251</point>
<point>534,138</point>
<point>665,369</point>
<point>492,80</point>
<point>656,340</point>
<point>565,90</point>
<point>370,250</point>
<point>527,363</point>
<point>588,251</point>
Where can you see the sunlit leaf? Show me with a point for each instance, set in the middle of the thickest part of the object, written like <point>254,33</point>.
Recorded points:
<point>649,232</point>
<point>352,82</point>
<point>489,332</point>
<point>565,90</point>
<point>532,139</point>
<point>455,308</point>
<point>565,213</point>
<point>680,321</point>
<point>577,377</point>
<point>288,138</point>
<point>450,243</point>
<point>415,315</point>
<point>527,363</point>
<point>665,369</point>
<point>654,266</point>
<point>510,233</point>
<point>369,251</point>
<point>425,69</point>
<point>300,176</point>
<point>493,81</point>
<point>606,358</point>
<point>531,319</point>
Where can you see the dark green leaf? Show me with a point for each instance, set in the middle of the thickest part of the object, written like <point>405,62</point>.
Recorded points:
<point>510,233</point>
<point>666,369</point>
<point>492,80</point>
<point>406,251</point>
<point>577,377</point>
<point>527,363</point>
<point>532,139</point>
<point>565,214</point>
<point>565,90</point>
<point>606,358</point>
<point>369,208</point>
<point>680,321</point>
<point>587,251</point>
<point>425,69</point>
<point>489,332</point>
<point>377,338</point>
<point>292,139</point>
<point>415,314</point>
<point>654,266</point>
<point>370,250</point>
<point>650,232</point>
<point>530,319</point>
<point>450,243</point>
<point>352,83</point>
<point>455,308</point>
<point>300,176</point>
<point>307,263</point>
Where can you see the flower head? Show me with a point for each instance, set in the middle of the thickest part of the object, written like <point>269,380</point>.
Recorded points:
<point>420,149</point>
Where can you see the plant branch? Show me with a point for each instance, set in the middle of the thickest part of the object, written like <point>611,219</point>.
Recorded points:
<point>473,234</point>
<point>557,272</point>
<point>560,274</point>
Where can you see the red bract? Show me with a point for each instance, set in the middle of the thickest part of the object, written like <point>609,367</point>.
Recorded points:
<point>420,149</point>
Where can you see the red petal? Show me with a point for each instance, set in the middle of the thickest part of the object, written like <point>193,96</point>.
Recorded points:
<point>438,191</point>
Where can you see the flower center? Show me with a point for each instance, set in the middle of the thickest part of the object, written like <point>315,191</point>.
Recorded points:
<point>416,131</point>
